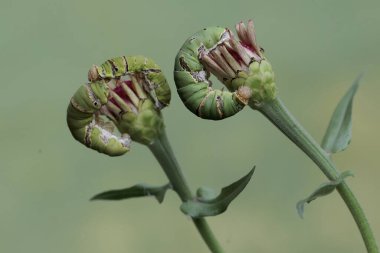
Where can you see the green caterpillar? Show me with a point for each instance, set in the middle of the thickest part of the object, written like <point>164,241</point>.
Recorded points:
<point>117,88</point>
<point>192,79</point>
<point>84,125</point>
<point>140,66</point>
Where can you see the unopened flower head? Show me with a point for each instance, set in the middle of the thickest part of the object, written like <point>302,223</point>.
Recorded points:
<point>240,62</point>
<point>138,91</point>
<point>133,110</point>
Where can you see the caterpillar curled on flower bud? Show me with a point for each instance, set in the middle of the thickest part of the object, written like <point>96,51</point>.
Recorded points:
<point>192,79</point>
<point>86,127</point>
<point>142,68</point>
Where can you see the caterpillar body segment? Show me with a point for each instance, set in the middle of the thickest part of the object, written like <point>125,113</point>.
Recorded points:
<point>141,68</point>
<point>85,126</point>
<point>157,83</point>
<point>192,78</point>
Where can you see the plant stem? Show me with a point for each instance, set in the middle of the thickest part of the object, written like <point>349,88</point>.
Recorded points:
<point>277,113</point>
<point>163,152</point>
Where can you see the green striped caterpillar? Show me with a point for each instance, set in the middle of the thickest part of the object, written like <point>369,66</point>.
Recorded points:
<point>129,91</point>
<point>238,63</point>
<point>142,68</point>
<point>84,125</point>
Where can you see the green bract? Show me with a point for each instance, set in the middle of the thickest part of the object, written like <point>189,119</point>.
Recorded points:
<point>143,126</point>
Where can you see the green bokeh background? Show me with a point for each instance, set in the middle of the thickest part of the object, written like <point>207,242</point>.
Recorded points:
<point>317,48</point>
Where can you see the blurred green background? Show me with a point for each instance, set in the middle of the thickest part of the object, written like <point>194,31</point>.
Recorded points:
<point>317,49</point>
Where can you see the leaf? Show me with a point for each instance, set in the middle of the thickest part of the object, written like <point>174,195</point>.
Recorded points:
<point>205,206</point>
<point>323,190</point>
<point>339,132</point>
<point>136,191</point>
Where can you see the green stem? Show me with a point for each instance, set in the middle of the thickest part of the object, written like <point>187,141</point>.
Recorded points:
<point>161,149</point>
<point>277,113</point>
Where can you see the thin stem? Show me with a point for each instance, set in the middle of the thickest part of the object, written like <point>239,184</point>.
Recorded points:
<point>277,113</point>
<point>161,149</point>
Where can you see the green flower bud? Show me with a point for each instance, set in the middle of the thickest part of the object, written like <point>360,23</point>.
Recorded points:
<point>143,126</point>
<point>134,110</point>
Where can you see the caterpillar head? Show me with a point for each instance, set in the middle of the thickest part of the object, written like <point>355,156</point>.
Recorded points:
<point>90,97</point>
<point>93,73</point>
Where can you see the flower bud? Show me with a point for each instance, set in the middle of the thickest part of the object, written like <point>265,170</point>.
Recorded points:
<point>134,109</point>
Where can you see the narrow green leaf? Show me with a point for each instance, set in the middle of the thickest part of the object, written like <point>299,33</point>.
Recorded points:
<point>323,190</point>
<point>339,132</point>
<point>206,206</point>
<point>136,191</point>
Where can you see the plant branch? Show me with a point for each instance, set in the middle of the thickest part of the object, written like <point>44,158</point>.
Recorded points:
<point>277,113</point>
<point>161,149</point>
